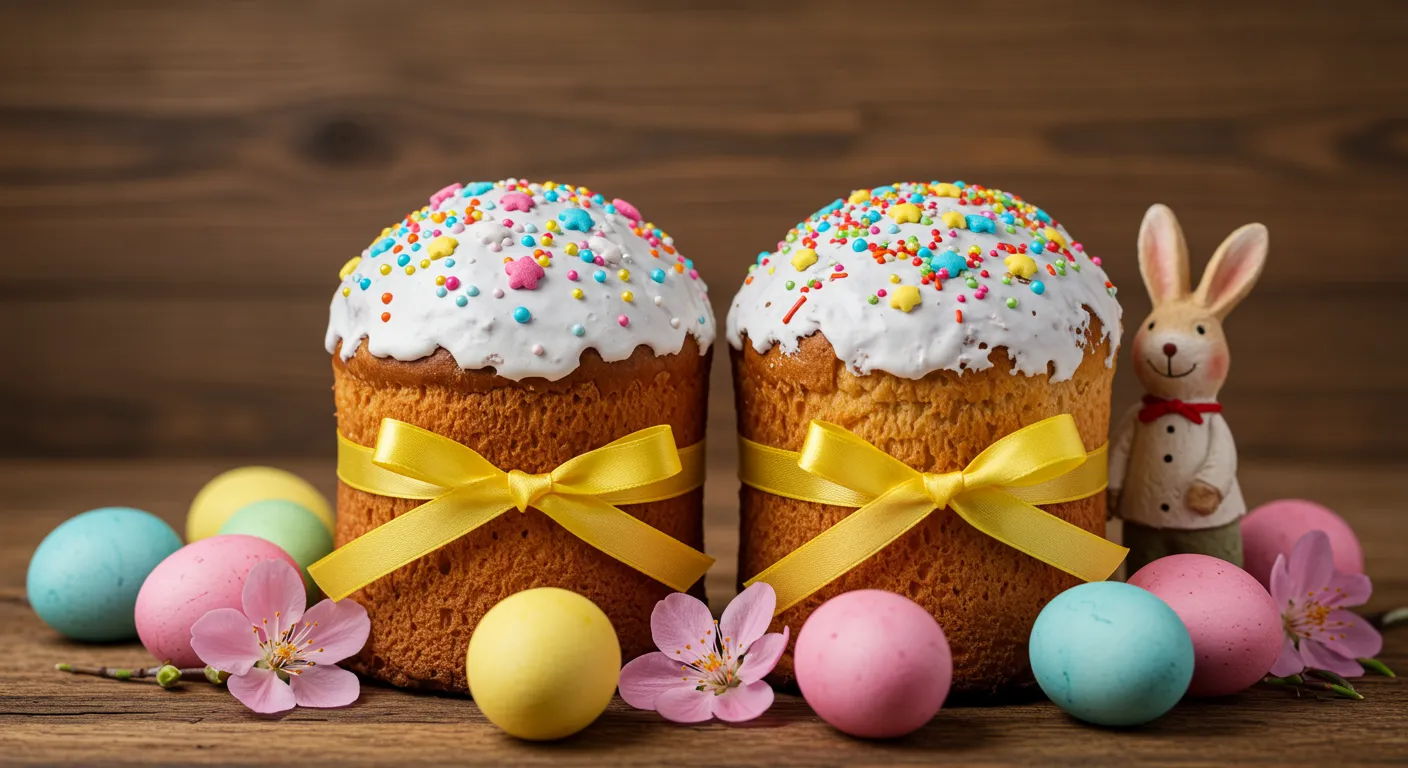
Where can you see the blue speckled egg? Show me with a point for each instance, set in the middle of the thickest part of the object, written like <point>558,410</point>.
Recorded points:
<point>84,577</point>
<point>1111,654</point>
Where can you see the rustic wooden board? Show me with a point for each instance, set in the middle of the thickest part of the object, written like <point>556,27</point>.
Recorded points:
<point>50,718</point>
<point>179,182</point>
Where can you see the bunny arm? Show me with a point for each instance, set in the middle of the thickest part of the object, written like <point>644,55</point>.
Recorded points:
<point>1219,469</point>
<point>1119,448</point>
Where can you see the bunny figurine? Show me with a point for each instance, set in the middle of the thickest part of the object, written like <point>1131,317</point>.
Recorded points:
<point>1173,464</point>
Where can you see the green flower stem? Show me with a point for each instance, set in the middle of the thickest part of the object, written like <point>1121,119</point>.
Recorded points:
<point>1331,677</point>
<point>1338,690</point>
<point>1374,665</point>
<point>165,678</point>
<point>1290,680</point>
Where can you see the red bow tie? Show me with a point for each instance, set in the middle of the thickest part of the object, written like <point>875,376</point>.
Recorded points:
<point>1154,407</point>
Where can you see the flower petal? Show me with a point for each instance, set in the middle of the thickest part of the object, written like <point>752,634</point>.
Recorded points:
<point>1318,656</point>
<point>682,627</point>
<point>1347,634</point>
<point>338,630</point>
<point>273,594</point>
<point>744,702</point>
<point>685,705</point>
<point>747,618</point>
<point>262,691</point>
<point>762,656</point>
<point>1346,589</point>
<point>1283,589</point>
<point>324,686</point>
<point>645,678</point>
<point>1311,564</point>
<point>1289,662</point>
<point>224,639</point>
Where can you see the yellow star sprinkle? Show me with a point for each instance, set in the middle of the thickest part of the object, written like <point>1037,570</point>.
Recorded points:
<point>442,246</point>
<point>954,220</point>
<point>905,298</point>
<point>349,267</point>
<point>859,196</point>
<point>803,259</point>
<point>1021,265</point>
<point>905,213</point>
<point>946,190</point>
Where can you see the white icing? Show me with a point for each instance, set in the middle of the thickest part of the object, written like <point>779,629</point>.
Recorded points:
<point>1046,329</point>
<point>484,332</point>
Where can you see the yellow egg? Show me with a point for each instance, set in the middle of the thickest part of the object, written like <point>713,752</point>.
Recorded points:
<point>543,664</point>
<point>238,488</point>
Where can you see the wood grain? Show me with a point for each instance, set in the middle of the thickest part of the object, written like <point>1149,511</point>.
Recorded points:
<point>179,182</point>
<point>48,718</point>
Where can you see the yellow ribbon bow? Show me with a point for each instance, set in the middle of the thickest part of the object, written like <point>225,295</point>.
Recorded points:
<point>466,491</point>
<point>1044,463</point>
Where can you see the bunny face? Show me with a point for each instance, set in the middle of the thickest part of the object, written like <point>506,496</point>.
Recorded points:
<point>1180,350</point>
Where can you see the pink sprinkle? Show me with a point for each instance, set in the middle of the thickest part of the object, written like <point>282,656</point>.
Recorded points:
<point>623,320</point>
<point>1095,260</point>
<point>626,209</point>
<point>599,261</point>
<point>523,272</point>
<point>516,201</point>
<point>436,233</point>
<point>694,273</point>
<point>444,194</point>
<point>880,293</point>
<point>874,230</point>
<point>452,283</point>
<point>961,299</point>
<point>572,275</point>
<point>1077,247</point>
<point>840,268</point>
<point>943,273</point>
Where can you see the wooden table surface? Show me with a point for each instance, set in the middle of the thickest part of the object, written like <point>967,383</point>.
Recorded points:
<point>47,717</point>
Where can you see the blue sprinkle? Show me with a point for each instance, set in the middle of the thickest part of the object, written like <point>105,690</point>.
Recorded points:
<point>878,191</point>
<point>522,315</point>
<point>859,245</point>
<point>978,223</point>
<point>472,290</point>
<point>874,216</point>
<point>489,205</point>
<point>460,301</point>
<point>452,221</point>
<point>960,184</point>
<point>916,198</point>
<point>610,208</point>
<point>530,227</point>
<point>1008,218</point>
<point>893,229</point>
<point>528,241</point>
<point>382,247</point>
<point>762,255</point>
<point>1038,287</point>
<point>597,198</point>
<point>599,276</point>
<point>658,275</point>
<point>449,262</point>
<point>550,195</point>
<point>576,218</point>
<point>701,320</point>
<point>478,188</point>
<point>587,256</point>
<point>834,206</point>
<point>365,284</point>
<point>951,261</point>
<point>1037,247</point>
<point>689,263</point>
<point>823,226</point>
<point>441,292</point>
<point>403,260</point>
<point>925,254</point>
<point>415,246</point>
<point>1043,216</point>
<point>578,329</point>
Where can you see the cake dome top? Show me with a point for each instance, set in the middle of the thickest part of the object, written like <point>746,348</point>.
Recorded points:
<point>915,277</point>
<point>522,278</point>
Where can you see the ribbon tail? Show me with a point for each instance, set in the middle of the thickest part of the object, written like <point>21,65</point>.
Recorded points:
<point>408,537</point>
<point>1039,534</point>
<point>846,544</point>
<point>618,534</point>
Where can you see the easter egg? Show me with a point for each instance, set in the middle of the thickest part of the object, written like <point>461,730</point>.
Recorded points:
<point>232,491</point>
<point>1231,619</point>
<point>296,530</point>
<point>84,577</point>
<point>194,580</point>
<point>543,664</point>
<point>1274,527</point>
<point>873,664</point>
<point>1111,654</point>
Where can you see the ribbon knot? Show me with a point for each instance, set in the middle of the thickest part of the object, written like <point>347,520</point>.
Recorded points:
<point>525,489</point>
<point>1043,463</point>
<point>465,490</point>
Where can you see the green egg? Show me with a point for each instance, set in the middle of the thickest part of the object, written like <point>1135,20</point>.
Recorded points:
<point>291,526</point>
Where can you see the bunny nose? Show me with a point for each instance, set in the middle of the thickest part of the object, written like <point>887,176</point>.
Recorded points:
<point>1170,350</point>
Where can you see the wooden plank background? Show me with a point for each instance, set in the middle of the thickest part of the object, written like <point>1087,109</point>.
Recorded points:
<point>179,182</point>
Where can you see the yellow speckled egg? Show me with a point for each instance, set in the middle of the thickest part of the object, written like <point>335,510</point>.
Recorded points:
<point>238,488</point>
<point>543,664</point>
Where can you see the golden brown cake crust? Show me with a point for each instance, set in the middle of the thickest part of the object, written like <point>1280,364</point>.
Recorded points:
<point>423,614</point>
<point>985,594</point>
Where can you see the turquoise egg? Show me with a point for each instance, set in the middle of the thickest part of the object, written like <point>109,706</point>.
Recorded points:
<point>84,577</point>
<point>1111,654</point>
<point>295,529</point>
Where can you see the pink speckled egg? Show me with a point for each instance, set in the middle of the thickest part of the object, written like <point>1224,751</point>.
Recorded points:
<point>1274,527</point>
<point>873,664</point>
<point>1233,621</point>
<point>197,578</point>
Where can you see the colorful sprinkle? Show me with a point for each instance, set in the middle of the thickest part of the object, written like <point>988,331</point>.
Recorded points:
<point>522,315</point>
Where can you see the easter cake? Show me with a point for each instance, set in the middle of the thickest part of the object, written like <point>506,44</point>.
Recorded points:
<point>930,320</point>
<point>531,323</point>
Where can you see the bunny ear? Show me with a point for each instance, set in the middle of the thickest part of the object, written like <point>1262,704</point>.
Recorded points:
<point>1233,270</point>
<point>1163,256</point>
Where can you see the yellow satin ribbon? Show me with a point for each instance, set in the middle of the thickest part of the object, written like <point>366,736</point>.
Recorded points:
<point>466,491</point>
<point>1044,463</point>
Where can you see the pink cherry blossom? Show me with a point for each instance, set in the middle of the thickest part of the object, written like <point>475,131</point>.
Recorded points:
<point>277,656</point>
<point>1312,597</point>
<point>708,668</point>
